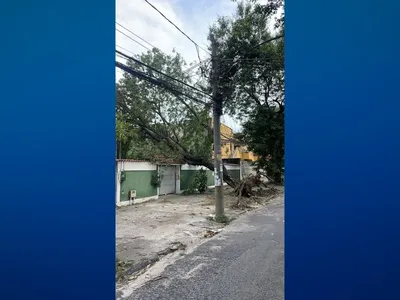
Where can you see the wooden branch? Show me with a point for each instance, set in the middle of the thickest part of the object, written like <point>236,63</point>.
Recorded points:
<point>194,113</point>
<point>252,96</point>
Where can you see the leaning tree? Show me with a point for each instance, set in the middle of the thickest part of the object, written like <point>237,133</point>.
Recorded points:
<point>166,116</point>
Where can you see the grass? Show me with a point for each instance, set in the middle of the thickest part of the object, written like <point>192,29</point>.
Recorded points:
<point>222,219</point>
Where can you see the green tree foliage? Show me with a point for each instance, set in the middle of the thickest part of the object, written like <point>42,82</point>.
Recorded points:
<point>156,179</point>
<point>251,70</point>
<point>251,77</point>
<point>264,134</point>
<point>200,181</point>
<point>163,122</point>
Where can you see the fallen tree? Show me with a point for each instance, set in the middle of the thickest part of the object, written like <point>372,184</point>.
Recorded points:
<point>251,187</point>
<point>172,118</point>
<point>162,122</point>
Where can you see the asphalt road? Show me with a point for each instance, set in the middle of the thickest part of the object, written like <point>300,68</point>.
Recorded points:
<point>245,261</point>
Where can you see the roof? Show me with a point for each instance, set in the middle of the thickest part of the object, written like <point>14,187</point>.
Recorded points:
<point>131,160</point>
<point>159,159</point>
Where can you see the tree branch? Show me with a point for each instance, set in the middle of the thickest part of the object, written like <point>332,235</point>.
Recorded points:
<point>194,113</point>
<point>170,142</point>
<point>252,96</point>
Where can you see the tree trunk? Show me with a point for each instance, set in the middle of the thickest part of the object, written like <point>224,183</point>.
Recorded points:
<point>226,177</point>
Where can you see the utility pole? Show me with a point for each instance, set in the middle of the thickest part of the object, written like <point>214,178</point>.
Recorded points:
<point>217,112</point>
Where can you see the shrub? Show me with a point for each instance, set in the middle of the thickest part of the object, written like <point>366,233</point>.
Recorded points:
<point>156,179</point>
<point>222,219</point>
<point>200,181</point>
<point>190,191</point>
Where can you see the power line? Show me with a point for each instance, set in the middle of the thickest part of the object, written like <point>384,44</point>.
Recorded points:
<point>260,59</point>
<point>131,38</point>
<point>265,42</point>
<point>160,72</point>
<point>120,54</point>
<point>157,82</point>
<point>124,49</point>
<point>142,39</point>
<point>155,8</point>
<point>236,60</point>
<point>188,71</point>
<point>184,72</point>
<point>161,83</point>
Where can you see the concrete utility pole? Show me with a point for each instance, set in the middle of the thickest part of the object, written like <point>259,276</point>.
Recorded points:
<point>217,112</point>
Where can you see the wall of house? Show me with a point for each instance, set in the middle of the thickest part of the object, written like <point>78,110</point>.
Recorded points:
<point>137,177</point>
<point>247,155</point>
<point>188,173</point>
<point>228,149</point>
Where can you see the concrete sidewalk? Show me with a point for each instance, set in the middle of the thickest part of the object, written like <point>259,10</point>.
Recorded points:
<point>157,233</point>
<point>244,262</point>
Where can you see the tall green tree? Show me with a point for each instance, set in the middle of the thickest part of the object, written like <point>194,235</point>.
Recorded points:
<point>122,134</point>
<point>251,77</point>
<point>264,133</point>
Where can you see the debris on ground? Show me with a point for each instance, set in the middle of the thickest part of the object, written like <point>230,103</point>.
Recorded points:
<point>151,235</point>
<point>252,189</point>
<point>130,270</point>
<point>210,233</point>
<point>174,247</point>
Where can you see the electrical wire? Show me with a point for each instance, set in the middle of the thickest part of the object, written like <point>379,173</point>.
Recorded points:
<point>142,39</point>
<point>188,71</point>
<point>125,49</point>
<point>157,82</point>
<point>236,60</point>
<point>155,8</point>
<point>160,72</point>
<point>131,38</point>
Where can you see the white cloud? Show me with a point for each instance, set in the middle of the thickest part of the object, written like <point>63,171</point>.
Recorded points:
<point>192,17</point>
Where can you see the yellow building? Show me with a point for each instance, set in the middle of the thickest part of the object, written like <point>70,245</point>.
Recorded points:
<point>231,149</point>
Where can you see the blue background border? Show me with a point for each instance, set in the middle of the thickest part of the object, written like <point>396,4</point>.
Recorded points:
<point>342,147</point>
<point>342,150</point>
<point>57,157</point>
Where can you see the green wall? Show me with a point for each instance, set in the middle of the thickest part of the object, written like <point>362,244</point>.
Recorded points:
<point>139,181</point>
<point>187,178</point>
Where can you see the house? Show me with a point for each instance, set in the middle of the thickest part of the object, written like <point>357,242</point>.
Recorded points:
<point>232,148</point>
<point>135,179</point>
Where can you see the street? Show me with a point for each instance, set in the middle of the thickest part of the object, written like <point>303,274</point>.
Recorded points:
<point>245,261</point>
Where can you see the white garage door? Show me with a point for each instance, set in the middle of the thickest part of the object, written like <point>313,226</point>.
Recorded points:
<point>168,180</point>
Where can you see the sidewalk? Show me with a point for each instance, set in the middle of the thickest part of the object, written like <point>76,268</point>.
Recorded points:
<point>167,228</point>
